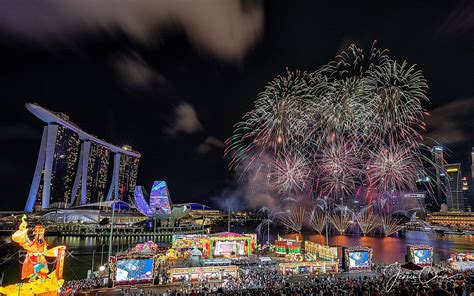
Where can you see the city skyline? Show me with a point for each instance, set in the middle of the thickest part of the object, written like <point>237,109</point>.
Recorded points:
<point>176,100</point>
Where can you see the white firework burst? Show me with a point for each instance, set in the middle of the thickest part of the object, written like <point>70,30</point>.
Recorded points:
<point>367,220</point>
<point>390,225</point>
<point>341,219</point>
<point>293,217</point>
<point>338,169</point>
<point>291,173</point>
<point>317,220</point>
<point>394,167</point>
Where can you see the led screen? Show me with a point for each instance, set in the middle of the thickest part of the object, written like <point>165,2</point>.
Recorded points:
<point>359,260</point>
<point>229,247</point>
<point>223,247</point>
<point>134,269</point>
<point>159,197</point>
<point>421,256</point>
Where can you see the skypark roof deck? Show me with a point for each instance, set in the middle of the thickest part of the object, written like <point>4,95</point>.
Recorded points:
<point>59,118</point>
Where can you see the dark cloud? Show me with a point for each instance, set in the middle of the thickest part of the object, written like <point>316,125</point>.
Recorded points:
<point>451,123</point>
<point>226,29</point>
<point>209,144</point>
<point>134,71</point>
<point>459,22</point>
<point>186,120</point>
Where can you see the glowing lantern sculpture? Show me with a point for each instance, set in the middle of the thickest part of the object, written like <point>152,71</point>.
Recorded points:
<point>35,275</point>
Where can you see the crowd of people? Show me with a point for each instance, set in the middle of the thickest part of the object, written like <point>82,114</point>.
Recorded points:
<point>387,280</point>
<point>74,286</point>
<point>256,279</point>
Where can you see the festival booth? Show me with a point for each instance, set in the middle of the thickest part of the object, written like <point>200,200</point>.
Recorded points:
<point>202,273</point>
<point>218,245</point>
<point>285,247</point>
<point>357,259</point>
<point>137,265</point>
<point>462,261</point>
<point>184,243</point>
<point>230,244</point>
<point>36,279</point>
<point>315,251</point>
<point>313,267</point>
<point>421,255</point>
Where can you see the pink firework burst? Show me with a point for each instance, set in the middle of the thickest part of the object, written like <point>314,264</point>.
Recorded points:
<point>291,173</point>
<point>339,169</point>
<point>394,167</point>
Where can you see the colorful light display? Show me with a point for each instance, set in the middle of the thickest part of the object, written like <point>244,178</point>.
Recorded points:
<point>159,198</point>
<point>223,244</point>
<point>35,274</point>
<point>320,251</point>
<point>285,247</point>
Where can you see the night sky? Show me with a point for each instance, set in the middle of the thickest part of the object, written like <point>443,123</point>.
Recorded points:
<point>171,78</point>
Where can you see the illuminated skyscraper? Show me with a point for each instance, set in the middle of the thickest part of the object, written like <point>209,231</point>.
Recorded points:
<point>73,166</point>
<point>127,176</point>
<point>66,156</point>
<point>55,169</point>
<point>470,191</point>
<point>438,159</point>
<point>455,194</point>
<point>472,164</point>
<point>98,173</point>
<point>92,171</point>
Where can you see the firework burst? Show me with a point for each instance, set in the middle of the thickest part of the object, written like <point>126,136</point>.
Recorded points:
<point>394,167</point>
<point>290,173</point>
<point>278,121</point>
<point>390,225</point>
<point>268,221</point>
<point>341,219</point>
<point>338,168</point>
<point>367,220</point>
<point>354,123</point>
<point>317,220</point>
<point>293,217</point>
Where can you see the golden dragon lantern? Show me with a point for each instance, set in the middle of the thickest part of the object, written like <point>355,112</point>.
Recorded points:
<point>36,279</point>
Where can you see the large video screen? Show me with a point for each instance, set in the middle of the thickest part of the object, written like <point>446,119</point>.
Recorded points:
<point>134,269</point>
<point>223,247</point>
<point>359,260</point>
<point>159,197</point>
<point>421,256</point>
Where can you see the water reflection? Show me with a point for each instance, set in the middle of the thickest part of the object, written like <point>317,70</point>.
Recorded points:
<point>391,249</point>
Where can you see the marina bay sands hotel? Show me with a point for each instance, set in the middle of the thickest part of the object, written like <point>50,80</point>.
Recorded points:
<point>76,168</point>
